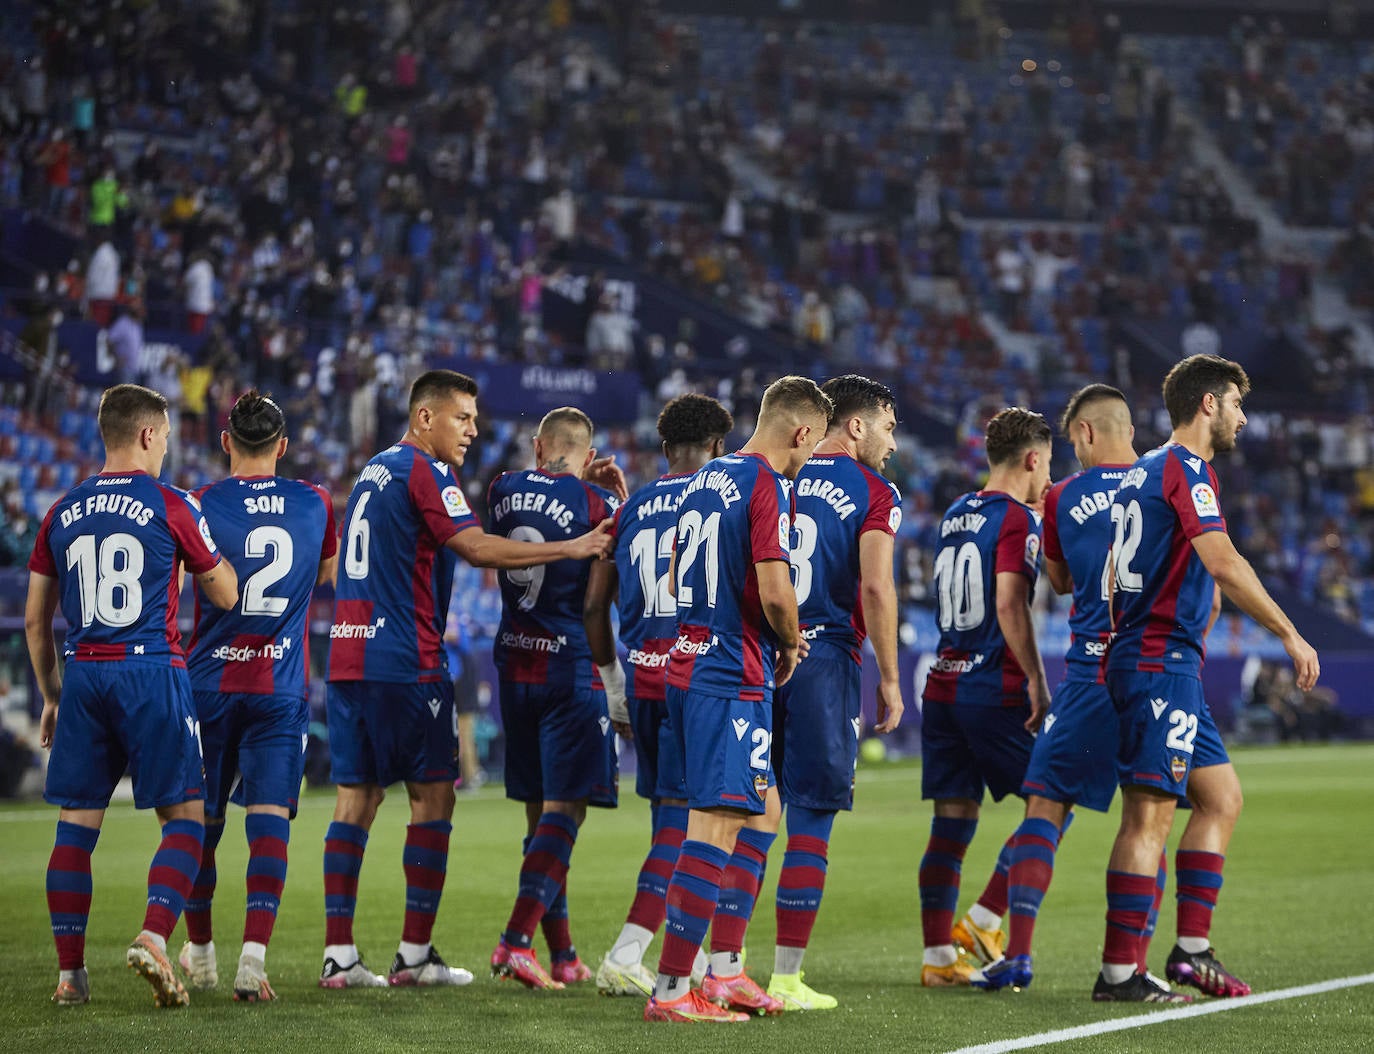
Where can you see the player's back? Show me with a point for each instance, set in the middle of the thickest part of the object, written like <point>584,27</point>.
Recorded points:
<point>837,499</point>
<point>395,572</point>
<point>1078,533</point>
<point>982,534</point>
<point>115,542</point>
<point>735,512</point>
<point>645,528</point>
<point>1163,594</point>
<point>541,639</point>
<point>276,532</point>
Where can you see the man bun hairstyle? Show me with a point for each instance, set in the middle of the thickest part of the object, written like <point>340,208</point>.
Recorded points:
<point>1013,431</point>
<point>127,409</point>
<point>256,422</point>
<point>694,420</point>
<point>1194,377</point>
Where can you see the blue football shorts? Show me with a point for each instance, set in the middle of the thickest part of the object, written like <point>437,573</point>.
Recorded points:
<point>254,748</point>
<point>966,750</point>
<point>559,744</point>
<point>1074,757</point>
<point>724,746</point>
<point>816,724</point>
<point>132,715</point>
<point>383,732</point>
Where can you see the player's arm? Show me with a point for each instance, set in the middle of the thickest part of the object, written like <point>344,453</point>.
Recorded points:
<point>1239,582</point>
<point>779,602</point>
<point>602,583</point>
<point>481,549</point>
<point>1216,612</point>
<point>39,609</point>
<point>329,570</point>
<point>220,584</point>
<point>879,597</point>
<point>1014,619</point>
<point>1058,573</point>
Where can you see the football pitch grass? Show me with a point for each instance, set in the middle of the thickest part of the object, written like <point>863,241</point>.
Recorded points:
<point>1294,911</point>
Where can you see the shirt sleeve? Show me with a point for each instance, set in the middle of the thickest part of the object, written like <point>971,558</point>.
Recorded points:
<point>191,533</point>
<point>770,522</point>
<point>1018,543</point>
<point>884,507</point>
<point>1053,550</point>
<point>41,560</point>
<point>439,500</point>
<point>330,545</point>
<point>1192,494</point>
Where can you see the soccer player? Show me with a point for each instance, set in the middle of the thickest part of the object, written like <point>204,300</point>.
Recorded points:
<point>1170,550</point>
<point>1074,757</point>
<point>560,753</point>
<point>248,673</point>
<point>390,700</point>
<point>738,637</point>
<point>693,429</point>
<point>986,693</point>
<point>847,518</point>
<point>110,552</point>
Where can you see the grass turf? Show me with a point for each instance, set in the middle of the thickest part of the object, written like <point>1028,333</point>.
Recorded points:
<point>1293,911</point>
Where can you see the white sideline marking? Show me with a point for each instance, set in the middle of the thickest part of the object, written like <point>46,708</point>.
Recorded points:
<point>1121,1024</point>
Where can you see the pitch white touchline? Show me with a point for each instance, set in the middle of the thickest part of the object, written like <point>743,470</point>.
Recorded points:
<point>1120,1024</point>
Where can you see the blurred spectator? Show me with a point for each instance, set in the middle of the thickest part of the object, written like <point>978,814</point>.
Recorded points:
<point>102,283</point>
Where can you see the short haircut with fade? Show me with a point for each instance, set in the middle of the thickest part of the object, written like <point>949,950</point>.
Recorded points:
<point>561,426</point>
<point>694,420</point>
<point>1013,431</point>
<point>256,422</point>
<point>127,409</point>
<point>436,384</point>
<point>1194,377</point>
<point>1089,396</point>
<point>796,397</point>
<point>854,395</point>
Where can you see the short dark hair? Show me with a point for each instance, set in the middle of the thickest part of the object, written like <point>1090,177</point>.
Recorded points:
<point>1085,397</point>
<point>558,425</point>
<point>255,423</point>
<point>1194,377</point>
<point>1014,430</point>
<point>798,396</point>
<point>127,409</point>
<point>438,383</point>
<point>694,420</point>
<point>853,394</point>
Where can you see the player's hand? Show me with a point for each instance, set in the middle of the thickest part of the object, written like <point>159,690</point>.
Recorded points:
<point>47,725</point>
<point>613,680</point>
<point>1306,666</point>
<point>604,472</point>
<point>786,664</point>
<point>596,542</point>
<point>1039,691</point>
<point>890,707</point>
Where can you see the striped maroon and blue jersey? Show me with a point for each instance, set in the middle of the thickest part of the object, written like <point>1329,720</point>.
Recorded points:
<point>734,513</point>
<point>1078,534</point>
<point>115,543</point>
<point>644,530</point>
<point>981,536</point>
<point>1163,594</point>
<point>276,533</point>
<point>838,500</point>
<point>541,639</point>
<point>395,570</point>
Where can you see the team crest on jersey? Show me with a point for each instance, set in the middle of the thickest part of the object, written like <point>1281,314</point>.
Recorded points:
<point>1178,768</point>
<point>761,785</point>
<point>454,502</point>
<point>894,520</point>
<point>1205,501</point>
<point>205,534</point>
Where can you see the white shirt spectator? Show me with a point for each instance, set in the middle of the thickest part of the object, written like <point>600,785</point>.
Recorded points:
<point>102,273</point>
<point>560,213</point>
<point>1200,338</point>
<point>200,288</point>
<point>1011,270</point>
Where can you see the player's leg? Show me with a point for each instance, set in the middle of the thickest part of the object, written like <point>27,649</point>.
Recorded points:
<point>358,794</point>
<point>1161,879</point>
<point>163,743</point>
<point>659,778</point>
<point>219,744</point>
<point>1215,794</point>
<point>721,794</point>
<point>86,762</point>
<point>800,888</point>
<point>951,780</point>
<point>423,752</point>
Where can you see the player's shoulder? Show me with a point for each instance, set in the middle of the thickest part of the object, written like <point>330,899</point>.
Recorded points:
<point>878,482</point>
<point>1068,484</point>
